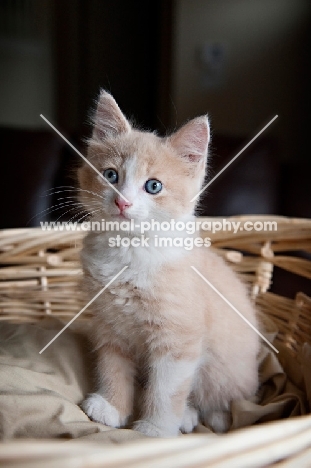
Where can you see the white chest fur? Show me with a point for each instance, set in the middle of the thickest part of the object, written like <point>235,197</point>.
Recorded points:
<point>103,262</point>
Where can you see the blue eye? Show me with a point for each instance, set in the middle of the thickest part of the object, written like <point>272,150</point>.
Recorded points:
<point>153,186</point>
<point>111,175</point>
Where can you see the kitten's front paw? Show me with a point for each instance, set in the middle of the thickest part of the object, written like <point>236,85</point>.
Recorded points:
<point>190,420</point>
<point>100,410</point>
<point>151,430</point>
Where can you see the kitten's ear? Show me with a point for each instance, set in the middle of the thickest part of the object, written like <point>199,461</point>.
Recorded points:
<point>108,119</point>
<point>191,141</point>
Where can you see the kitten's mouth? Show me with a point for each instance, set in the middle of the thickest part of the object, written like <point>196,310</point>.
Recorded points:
<point>121,216</point>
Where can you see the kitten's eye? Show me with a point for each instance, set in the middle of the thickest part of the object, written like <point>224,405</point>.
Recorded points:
<point>111,175</point>
<point>153,186</point>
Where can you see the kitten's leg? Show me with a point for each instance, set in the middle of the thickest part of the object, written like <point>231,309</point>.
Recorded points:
<point>165,398</point>
<point>219,421</point>
<point>190,419</point>
<point>112,404</point>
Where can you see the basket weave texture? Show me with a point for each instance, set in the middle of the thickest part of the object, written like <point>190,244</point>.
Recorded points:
<point>40,272</point>
<point>40,275</point>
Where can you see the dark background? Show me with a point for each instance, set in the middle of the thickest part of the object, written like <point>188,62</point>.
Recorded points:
<point>154,58</point>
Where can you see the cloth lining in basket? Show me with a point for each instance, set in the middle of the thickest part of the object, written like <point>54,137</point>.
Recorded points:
<point>40,394</point>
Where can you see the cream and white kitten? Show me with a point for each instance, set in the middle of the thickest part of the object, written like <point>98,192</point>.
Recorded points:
<point>158,323</point>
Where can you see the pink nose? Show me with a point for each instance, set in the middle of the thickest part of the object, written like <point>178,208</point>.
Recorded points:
<point>122,204</point>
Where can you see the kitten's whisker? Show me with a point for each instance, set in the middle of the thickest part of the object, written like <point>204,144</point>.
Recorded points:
<point>77,214</point>
<point>63,214</point>
<point>79,202</point>
<point>73,190</point>
<point>61,206</point>
<point>73,207</point>
<point>88,214</point>
<point>88,207</point>
<point>49,210</point>
<point>82,217</point>
<point>89,202</point>
<point>90,191</point>
<point>83,210</point>
<point>83,205</point>
<point>59,187</point>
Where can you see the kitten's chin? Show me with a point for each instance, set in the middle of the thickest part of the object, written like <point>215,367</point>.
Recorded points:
<point>121,216</point>
<point>128,217</point>
<point>117,216</point>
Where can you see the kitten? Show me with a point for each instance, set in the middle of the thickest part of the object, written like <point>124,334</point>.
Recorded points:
<point>158,322</point>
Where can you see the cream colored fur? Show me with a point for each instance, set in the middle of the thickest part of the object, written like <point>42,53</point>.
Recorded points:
<point>159,323</point>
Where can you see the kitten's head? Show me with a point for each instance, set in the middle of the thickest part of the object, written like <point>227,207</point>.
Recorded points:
<point>154,177</point>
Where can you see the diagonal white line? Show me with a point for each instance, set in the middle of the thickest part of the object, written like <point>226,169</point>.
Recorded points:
<point>235,310</point>
<point>82,310</point>
<point>233,159</point>
<point>84,158</point>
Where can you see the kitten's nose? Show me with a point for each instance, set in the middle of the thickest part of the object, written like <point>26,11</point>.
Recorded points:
<point>122,204</point>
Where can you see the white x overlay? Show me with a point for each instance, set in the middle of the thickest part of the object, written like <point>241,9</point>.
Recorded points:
<point>83,157</point>
<point>82,310</point>
<point>235,310</point>
<point>113,279</point>
<point>233,159</point>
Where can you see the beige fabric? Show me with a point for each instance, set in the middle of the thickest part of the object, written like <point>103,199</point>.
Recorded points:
<point>40,394</point>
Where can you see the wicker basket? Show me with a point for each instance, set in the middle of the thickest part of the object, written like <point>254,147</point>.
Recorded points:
<point>40,276</point>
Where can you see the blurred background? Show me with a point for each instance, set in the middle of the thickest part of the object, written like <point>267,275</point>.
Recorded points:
<point>165,61</point>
